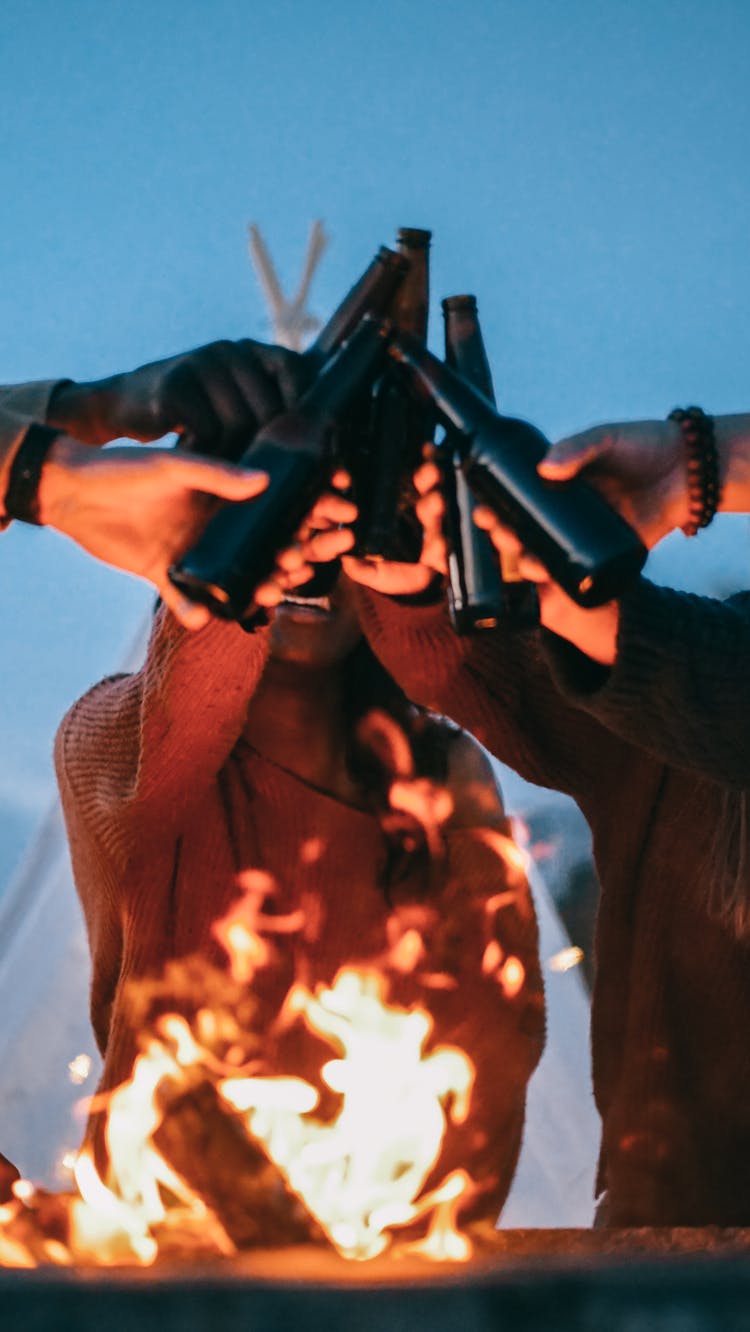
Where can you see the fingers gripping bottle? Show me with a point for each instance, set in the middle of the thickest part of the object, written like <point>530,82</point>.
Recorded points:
<point>484,586</point>
<point>238,548</point>
<point>587,548</point>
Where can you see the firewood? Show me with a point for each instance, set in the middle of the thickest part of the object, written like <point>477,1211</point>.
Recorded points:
<point>205,1143</point>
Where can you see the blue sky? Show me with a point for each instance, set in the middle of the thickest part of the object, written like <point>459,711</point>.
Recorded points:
<point>583,166</point>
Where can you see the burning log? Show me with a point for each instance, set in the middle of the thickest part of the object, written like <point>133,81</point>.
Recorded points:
<point>206,1144</point>
<point>35,1228</point>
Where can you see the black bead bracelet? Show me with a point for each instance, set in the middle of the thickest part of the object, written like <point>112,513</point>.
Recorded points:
<point>704,490</point>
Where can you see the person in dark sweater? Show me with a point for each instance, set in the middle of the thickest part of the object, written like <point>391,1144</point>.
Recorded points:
<point>641,712</point>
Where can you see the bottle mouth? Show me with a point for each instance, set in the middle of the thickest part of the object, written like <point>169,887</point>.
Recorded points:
<point>453,303</point>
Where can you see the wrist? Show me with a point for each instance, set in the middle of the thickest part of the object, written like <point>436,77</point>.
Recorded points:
<point>593,632</point>
<point>733,445</point>
<point>22,494</point>
<point>60,479</point>
<point>676,506</point>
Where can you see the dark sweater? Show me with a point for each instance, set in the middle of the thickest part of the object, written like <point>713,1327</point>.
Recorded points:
<point>166,803</point>
<point>647,750</point>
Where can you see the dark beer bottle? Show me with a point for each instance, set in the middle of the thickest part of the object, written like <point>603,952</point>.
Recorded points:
<point>484,585</point>
<point>371,294</point>
<point>399,423</point>
<point>238,548</point>
<point>587,548</point>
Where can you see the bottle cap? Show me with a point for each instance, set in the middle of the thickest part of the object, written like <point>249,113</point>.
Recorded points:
<point>452,303</point>
<point>414,237</point>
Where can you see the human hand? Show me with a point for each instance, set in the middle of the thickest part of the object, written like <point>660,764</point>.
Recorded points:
<point>139,509</point>
<point>591,631</point>
<point>325,535</point>
<point>397,579</point>
<point>638,466</point>
<point>218,395</point>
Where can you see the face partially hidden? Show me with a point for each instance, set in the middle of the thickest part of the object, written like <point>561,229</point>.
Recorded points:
<point>317,625</point>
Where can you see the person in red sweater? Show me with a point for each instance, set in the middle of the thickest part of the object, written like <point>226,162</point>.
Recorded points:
<point>292,752</point>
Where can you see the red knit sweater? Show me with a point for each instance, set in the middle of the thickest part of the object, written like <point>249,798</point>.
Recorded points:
<point>165,801</point>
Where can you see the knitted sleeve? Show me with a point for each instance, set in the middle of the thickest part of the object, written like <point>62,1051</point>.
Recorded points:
<point>680,686</point>
<point>137,752</point>
<point>496,684</point>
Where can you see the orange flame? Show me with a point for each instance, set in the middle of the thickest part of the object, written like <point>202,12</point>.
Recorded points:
<point>361,1173</point>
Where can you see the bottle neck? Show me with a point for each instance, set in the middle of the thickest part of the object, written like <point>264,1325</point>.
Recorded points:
<point>370,295</point>
<point>457,403</point>
<point>353,366</point>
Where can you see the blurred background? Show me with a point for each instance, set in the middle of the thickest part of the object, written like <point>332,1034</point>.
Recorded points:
<point>580,165</point>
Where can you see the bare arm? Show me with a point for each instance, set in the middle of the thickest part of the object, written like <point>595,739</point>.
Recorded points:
<point>639,466</point>
<point>139,509</point>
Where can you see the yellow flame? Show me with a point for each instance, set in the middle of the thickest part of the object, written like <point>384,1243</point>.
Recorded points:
<point>361,1174</point>
<point>241,932</point>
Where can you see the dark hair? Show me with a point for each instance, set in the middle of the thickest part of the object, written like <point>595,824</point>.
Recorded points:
<point>387,738</point>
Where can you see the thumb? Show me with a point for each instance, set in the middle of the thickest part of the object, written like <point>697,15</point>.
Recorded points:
<point>570,455</point>
<point>189,613</point>
<point>216,478</point>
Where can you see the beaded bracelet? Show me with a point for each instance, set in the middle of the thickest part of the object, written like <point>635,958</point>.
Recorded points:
<point>22,495</point>
<point>704,492</point>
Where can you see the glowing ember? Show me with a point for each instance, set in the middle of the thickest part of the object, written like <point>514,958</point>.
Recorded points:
<point>23,1189</point>
<point>565,959</point>
<point>79,1069</point>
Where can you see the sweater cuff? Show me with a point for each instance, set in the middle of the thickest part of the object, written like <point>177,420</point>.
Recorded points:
<point>647,639</point>
<point>382,617</point>
<point>20,406</point>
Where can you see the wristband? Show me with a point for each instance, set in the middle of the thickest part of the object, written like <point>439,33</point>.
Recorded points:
<point>704,491</point>
<point>22,495</point>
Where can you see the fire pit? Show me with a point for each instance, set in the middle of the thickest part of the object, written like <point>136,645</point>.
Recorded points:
<point>232,1196</point>
<point>622,1281</point>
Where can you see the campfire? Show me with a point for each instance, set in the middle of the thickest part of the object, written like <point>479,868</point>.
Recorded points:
<point>209,1154</point>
